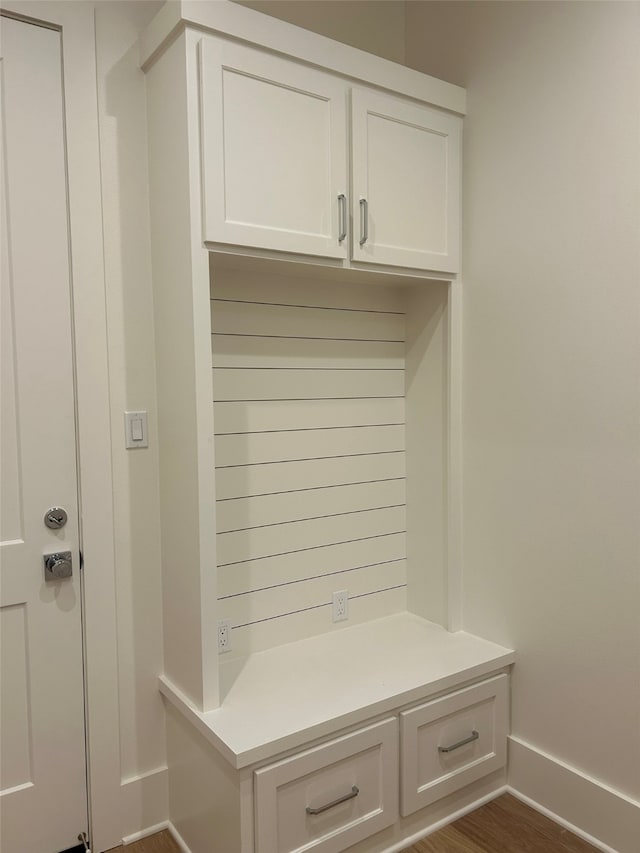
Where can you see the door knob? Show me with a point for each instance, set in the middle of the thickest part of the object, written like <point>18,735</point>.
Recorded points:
<point>57,566</point>
<point>55,518</point>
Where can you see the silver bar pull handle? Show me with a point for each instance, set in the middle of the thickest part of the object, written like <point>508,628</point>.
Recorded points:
<point>473,736</point>
<point>350,796</point>
<point>342,217</point>
<point>364,221</point>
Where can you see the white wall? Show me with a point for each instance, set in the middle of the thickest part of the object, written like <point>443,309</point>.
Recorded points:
<point>552,361</point>
<point>376,26</point>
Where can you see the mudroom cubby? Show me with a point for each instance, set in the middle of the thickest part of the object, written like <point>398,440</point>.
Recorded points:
<point>320,387</point>
<point>307,314</point>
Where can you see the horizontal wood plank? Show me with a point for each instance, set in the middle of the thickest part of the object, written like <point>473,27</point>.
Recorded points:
<point>280,601</point>
<point>336,560</point>
<point>248,318</point>
<point>307,444</point>
<point>251,286</point>
<point>301,535</point>
<point>274,477</point>
<point>306,623</point>
<point>243,513</point>
<point>302,384</point>
<point>274,415</point>
<point>259,351</point>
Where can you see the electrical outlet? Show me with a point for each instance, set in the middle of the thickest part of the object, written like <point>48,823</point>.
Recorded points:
<point>224,635</point>
<point>340,606</point>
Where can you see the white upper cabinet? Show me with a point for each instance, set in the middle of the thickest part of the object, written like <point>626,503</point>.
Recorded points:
<point>274,152</point>
<point>276,173</point>
<point>406,183</point>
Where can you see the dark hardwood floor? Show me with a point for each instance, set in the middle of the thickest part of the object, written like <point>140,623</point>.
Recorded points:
<point>505,825</point>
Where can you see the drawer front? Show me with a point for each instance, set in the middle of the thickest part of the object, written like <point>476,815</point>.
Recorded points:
<point>452,741</point>
<point>329,797</point>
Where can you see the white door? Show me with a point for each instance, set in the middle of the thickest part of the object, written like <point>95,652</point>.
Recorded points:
<point>406,183</point>
<point>43,803</point>
<point>274,152</point>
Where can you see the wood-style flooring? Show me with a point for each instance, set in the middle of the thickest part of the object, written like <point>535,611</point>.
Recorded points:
<point>505,825</point>
<point>160,843</point>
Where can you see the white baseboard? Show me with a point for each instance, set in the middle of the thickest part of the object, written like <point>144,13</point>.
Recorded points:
<point>607,819</point>
<point>144,803</point>
<point>145,833</point>
<point>182,844</point>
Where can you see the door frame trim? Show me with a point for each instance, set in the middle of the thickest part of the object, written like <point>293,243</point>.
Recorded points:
<point>95,497</point>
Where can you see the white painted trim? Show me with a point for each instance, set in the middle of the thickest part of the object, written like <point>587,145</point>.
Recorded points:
<point>454,555</point>
<point>423,833</point>
<point>233,21</point>
<point>561,821</point>
<point>591,780</point>
<point>606,818</point>
<point>182,844</point>
<point>144,803</point>
<point>76,20</point>
<point>290,264</point>
<point>145,833</point>
<point>140,777</point>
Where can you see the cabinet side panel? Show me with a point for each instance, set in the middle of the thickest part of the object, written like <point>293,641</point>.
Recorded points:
<point>175,364</point>
<point>204,791</point>
<point>426,435</point>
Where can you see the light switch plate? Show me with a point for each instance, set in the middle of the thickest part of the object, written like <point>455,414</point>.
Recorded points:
<point>136,430</point>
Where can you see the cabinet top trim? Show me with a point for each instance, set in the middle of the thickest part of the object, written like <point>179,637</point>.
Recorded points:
<point>237,22</point>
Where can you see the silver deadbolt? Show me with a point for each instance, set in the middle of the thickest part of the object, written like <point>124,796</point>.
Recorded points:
<point>57,566</point>
<point>55,518</point>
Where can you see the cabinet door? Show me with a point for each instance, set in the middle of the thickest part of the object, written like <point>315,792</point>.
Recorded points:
<point>406,171</point>
<point>274,152</point>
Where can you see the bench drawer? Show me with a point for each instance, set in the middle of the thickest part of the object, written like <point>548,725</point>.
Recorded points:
<point>329,797</point>
<point>452,741</point>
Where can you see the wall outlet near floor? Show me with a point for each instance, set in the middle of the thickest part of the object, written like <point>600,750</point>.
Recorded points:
<point>224,635</point>
<point>340,606</point>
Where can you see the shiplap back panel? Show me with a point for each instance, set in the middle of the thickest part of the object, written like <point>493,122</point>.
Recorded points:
<point>309,413</point>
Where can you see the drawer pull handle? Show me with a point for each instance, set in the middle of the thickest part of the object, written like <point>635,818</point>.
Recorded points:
<point>354,793</point>
<point>342,215</point>
<point>473,736</point>
<point>364,221</point>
